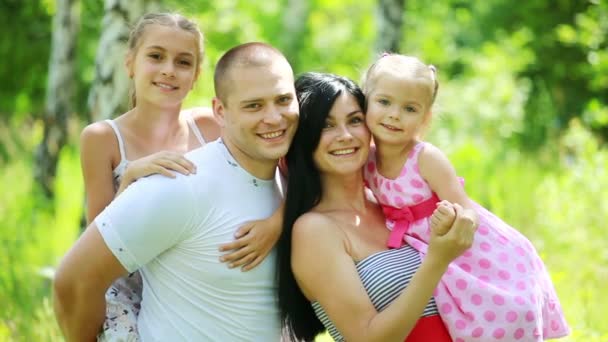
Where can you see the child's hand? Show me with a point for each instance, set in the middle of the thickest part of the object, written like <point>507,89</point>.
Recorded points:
<point>443,217</point>
<point>445,248</point>
<point>253,242</point>
<point>163,163</point>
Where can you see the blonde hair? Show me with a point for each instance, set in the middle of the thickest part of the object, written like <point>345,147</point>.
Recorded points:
<point>406,66</point>
<point>165,19</point>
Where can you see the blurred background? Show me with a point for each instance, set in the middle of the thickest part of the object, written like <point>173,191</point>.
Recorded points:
<point>522,113</point>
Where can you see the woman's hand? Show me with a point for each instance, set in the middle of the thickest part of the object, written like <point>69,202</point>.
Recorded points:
<point>163,163</point>
<point>254,241</point>
<point>445,248</point>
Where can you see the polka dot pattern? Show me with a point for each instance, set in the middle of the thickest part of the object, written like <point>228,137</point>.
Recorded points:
<point>492,291</point>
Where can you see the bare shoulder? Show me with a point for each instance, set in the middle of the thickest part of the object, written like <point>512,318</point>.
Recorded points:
<point>315,227</point>
<point>98,133</point>
<point>430,151</point>
<point>206,122</point>
<point>431,156</point>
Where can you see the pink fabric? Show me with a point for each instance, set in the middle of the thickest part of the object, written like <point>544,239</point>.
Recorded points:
<point>406,215</point>
<point>498,290</point>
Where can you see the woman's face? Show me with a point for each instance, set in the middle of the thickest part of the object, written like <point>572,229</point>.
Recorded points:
<point>344,143</point>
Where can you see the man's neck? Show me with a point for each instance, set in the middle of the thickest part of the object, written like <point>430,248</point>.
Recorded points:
<point>263,169</point>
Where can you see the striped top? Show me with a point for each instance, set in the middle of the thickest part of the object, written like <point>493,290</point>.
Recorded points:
<point>384,276</point>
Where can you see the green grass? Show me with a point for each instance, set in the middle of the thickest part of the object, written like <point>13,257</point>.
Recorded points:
<point>561,207</point>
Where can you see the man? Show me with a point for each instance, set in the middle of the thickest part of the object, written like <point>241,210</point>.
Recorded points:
<point>170,229</point>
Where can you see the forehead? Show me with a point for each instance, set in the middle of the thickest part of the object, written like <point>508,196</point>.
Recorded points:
<point>171,38</point>
<point>248,82</point>
<point>344,105</point>
<point>402,86</point>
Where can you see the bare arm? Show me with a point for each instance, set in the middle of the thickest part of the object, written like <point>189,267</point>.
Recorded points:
<point>82,278</point>
<point>437,170</point>
<point>97,142</point>
<point>326,273</point>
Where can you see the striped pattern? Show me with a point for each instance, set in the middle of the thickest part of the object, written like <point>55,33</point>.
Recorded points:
<point>384,275</point>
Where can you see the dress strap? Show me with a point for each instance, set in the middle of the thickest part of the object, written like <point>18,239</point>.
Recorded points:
<point>194,128</point>
<point>121,145</point>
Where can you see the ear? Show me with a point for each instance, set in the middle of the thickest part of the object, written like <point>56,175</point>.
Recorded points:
<point>219,111</point>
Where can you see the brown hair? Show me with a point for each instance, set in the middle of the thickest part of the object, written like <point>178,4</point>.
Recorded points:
<point>165,19</point>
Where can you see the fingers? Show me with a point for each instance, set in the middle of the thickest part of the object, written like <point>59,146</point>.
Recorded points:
<point>254,263</point>
<point>184,163</point>
<point>236,244</point>
<point>173,165</point>
<point>245,260</point>
<point>161,171</point>
<point>463,227</point>
<point>244,230</point>
<point>235,255</point>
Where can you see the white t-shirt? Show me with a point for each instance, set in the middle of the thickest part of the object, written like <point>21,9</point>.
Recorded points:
<point>170,229</point>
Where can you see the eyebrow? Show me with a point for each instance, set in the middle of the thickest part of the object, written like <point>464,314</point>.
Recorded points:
<point>391,97</point>
<point>353,113</point>
<point>157,47</point>
<point>258,99</point>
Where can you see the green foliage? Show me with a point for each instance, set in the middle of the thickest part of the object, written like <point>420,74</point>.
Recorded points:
<point>25,56</point>
<point>35,233</point>
<point>522,112</point>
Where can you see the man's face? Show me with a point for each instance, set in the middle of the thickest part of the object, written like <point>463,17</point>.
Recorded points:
<point>259,114</point>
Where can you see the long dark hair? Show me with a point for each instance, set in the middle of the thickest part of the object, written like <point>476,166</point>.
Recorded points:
<point>316,94</point>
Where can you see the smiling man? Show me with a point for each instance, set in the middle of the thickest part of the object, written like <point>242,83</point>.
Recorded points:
<point>170,229</point>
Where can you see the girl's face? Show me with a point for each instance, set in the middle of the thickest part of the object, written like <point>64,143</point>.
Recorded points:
<point>163,67</point>
<point>344,143</point>
<point>398,108</point>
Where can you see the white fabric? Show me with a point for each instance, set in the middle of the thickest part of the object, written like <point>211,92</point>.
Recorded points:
<point>119,170</point>
<point>194,128</point>
<point>170,229</point>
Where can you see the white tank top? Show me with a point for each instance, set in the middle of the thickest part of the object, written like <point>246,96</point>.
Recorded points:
<point>119,170</point>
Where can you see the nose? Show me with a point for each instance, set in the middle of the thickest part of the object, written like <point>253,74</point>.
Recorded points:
<point>344,134</point>
<point>273,115</point>
<point>393,113</point>
<point>168,69</point>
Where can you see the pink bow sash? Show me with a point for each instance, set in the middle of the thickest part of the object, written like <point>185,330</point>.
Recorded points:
<point>403,217</point>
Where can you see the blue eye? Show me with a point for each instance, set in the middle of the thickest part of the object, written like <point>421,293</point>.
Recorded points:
<point>411,109</point>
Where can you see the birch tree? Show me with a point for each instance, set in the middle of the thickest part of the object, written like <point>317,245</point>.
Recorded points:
<point>60,92</point>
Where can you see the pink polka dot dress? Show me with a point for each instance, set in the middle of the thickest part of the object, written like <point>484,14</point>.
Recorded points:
<point>498,290</point>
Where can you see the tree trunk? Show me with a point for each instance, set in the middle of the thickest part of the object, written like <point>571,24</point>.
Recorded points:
<point>109,92</point>
<point>60,92</point>
<point>295,31</point>
<point>389,18</point>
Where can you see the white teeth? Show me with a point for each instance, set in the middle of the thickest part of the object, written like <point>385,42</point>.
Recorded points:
<point>165,86</point>
<point>343,152</point>
<point>272,135</point>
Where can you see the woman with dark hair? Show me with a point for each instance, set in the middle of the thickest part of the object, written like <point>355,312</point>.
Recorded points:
<point>334,269</point>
